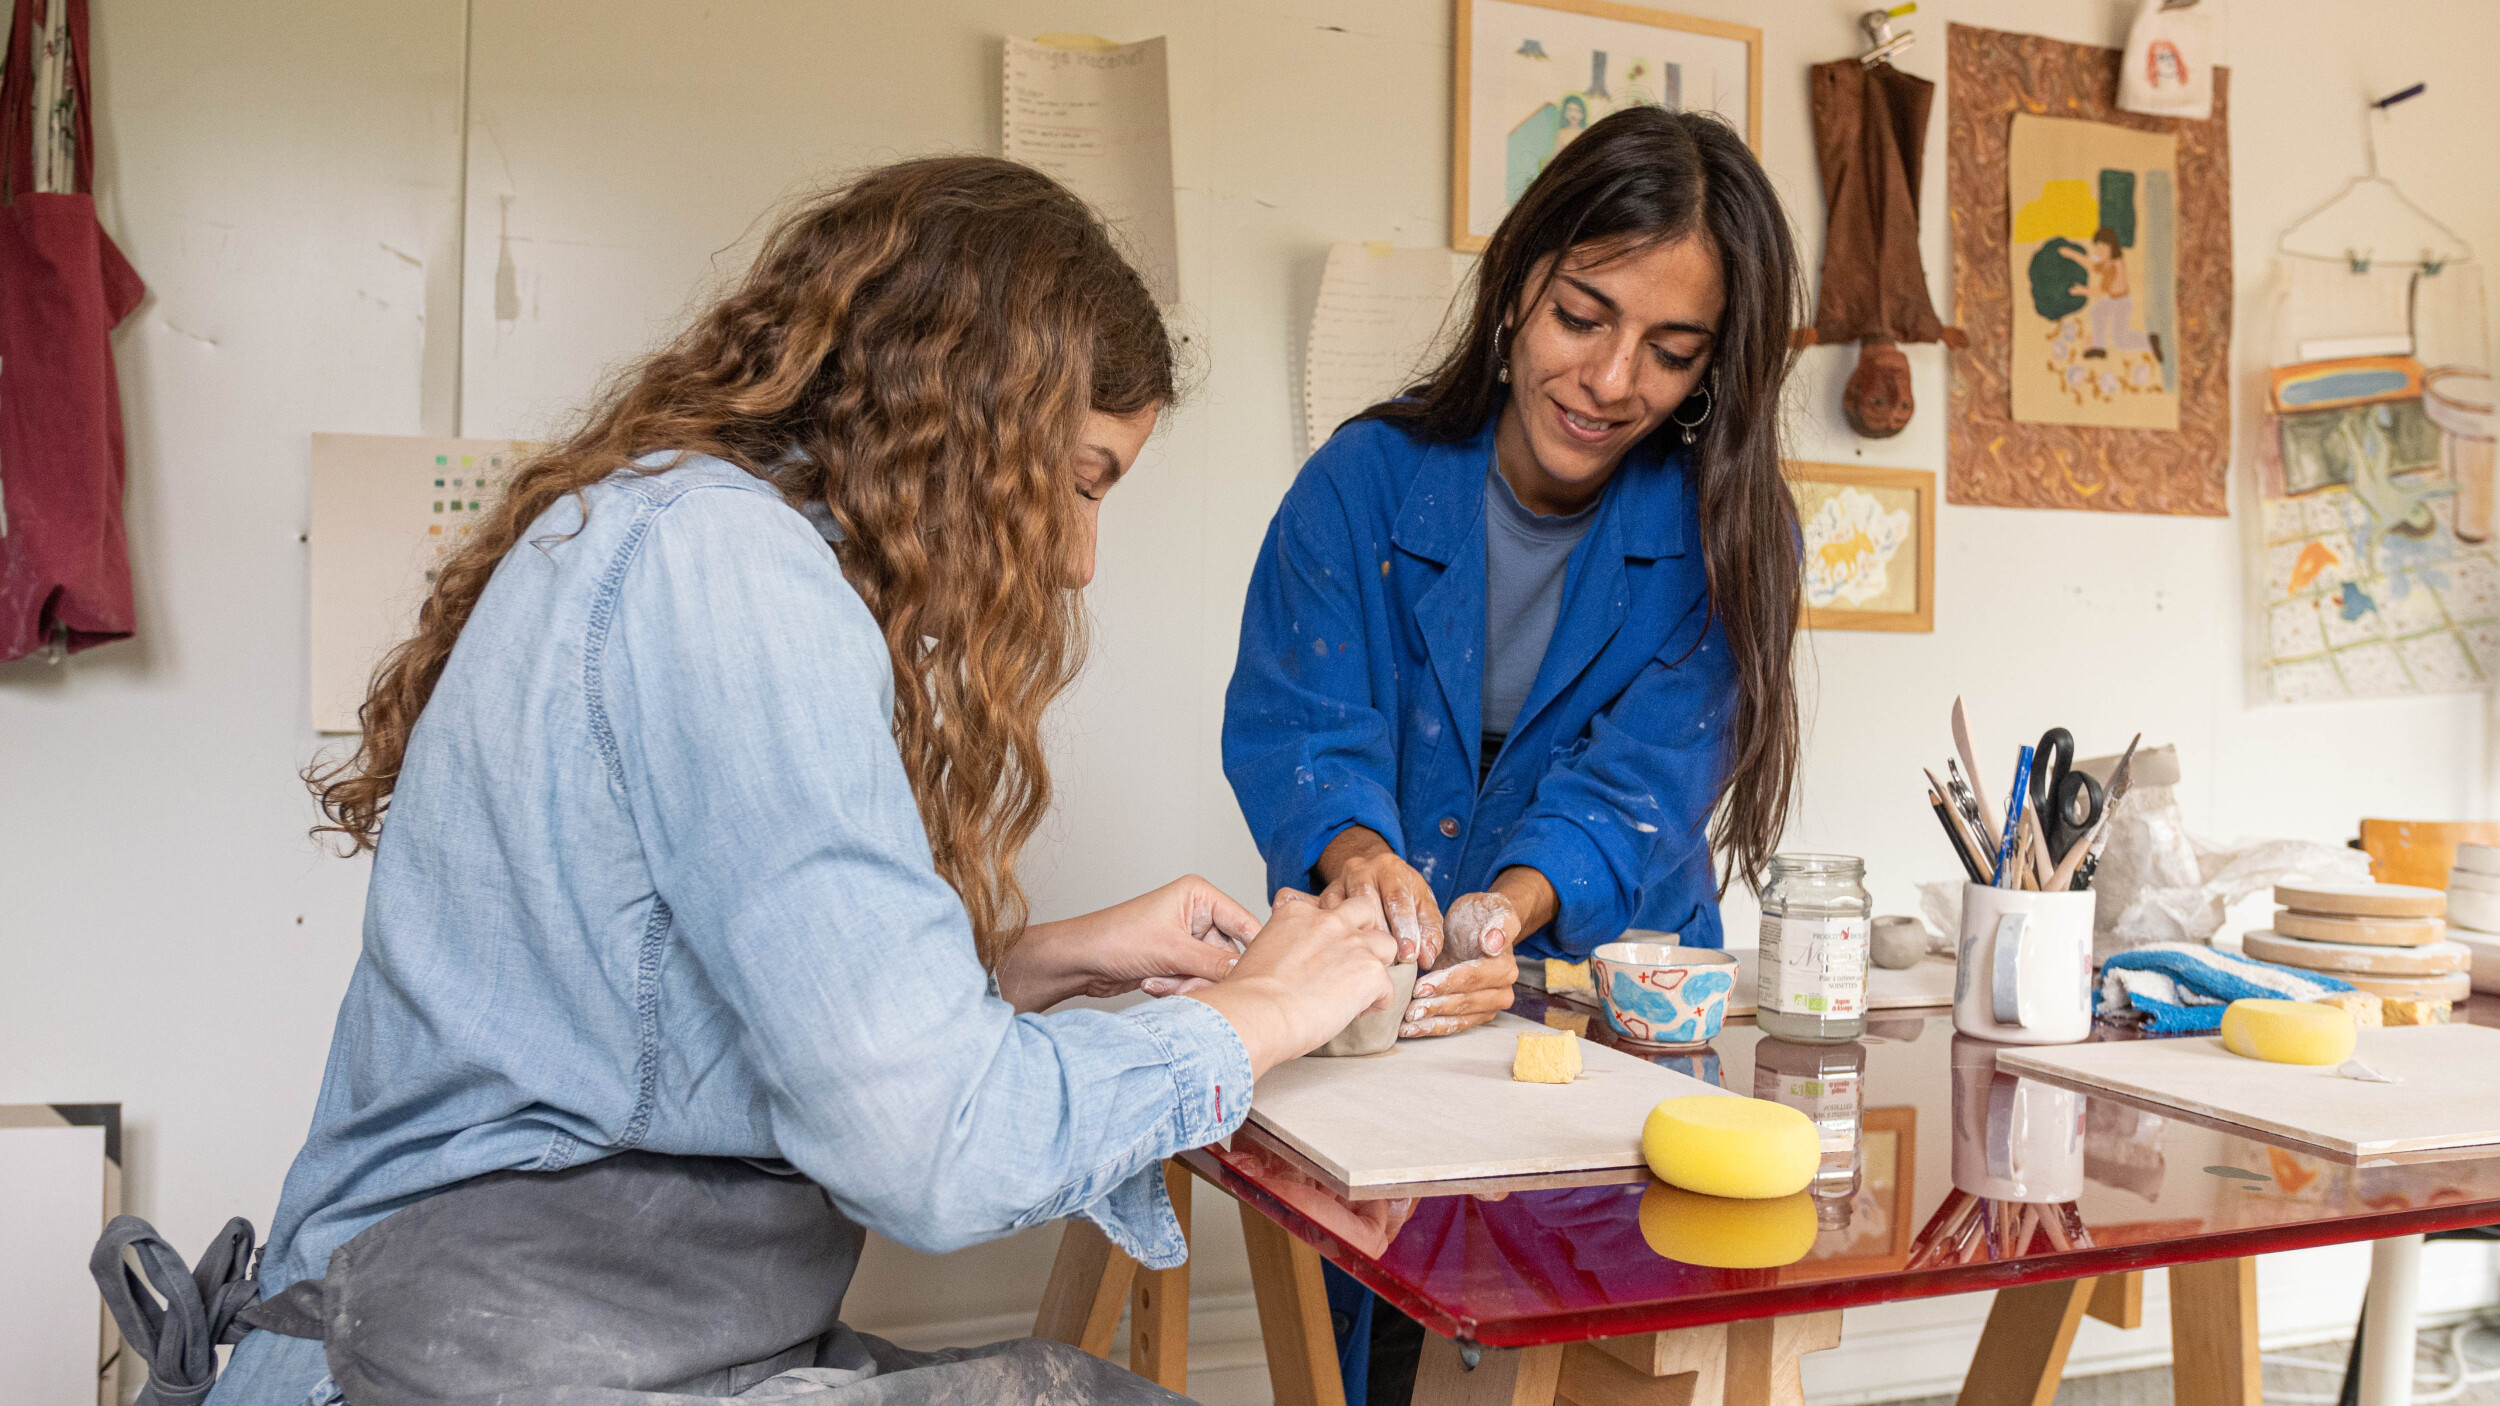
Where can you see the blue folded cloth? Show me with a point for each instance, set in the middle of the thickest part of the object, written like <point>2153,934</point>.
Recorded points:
<point>2184,986</point>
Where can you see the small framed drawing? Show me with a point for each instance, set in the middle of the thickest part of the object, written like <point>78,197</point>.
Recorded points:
<point>1870,546</point>
<point>1529,75</point>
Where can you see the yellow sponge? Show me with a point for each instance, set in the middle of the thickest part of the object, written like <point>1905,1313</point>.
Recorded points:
<point>1567,976</point>
<point>2363,1006</point>
<point>1726,1146</point>
<point>1723,1234</point>
<point>2405,1010</point>
<point>1547,1059</point>
<point>2288,1032</point>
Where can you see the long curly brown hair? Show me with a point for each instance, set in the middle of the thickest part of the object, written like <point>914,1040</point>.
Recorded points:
<point>917,350</point>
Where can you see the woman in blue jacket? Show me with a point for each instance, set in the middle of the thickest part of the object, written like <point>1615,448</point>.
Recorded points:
<point>1516,637</point>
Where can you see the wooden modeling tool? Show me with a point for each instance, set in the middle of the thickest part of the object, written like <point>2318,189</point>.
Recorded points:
<point>1970,758</point>
<point>2077,868</point>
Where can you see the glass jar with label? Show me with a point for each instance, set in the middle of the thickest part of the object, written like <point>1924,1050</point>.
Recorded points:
<point>1811,972</point>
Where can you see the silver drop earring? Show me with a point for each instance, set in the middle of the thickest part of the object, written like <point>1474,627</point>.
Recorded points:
<point>1501,361</point>
<point>1709,402</point>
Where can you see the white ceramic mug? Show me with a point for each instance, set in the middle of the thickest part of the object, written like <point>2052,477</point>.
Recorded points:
<point>2026,966</point>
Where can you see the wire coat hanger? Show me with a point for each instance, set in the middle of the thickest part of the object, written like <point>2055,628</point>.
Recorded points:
<point>2359,260</point>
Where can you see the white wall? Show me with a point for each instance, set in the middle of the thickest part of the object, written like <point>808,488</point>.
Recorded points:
<point>285,178</point>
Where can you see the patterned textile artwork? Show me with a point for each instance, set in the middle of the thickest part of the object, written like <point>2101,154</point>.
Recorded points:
<point>2375,573</point>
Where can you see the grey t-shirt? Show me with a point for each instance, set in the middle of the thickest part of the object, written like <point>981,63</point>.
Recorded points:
<point>1524,555</point>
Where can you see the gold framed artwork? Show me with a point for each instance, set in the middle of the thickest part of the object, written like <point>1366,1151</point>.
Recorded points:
<point>1530,75</point>
<point>1870,546</point>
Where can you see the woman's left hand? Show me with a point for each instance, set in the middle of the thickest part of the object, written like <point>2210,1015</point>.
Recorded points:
<point>1177,938</point>
<point>1479,931</point>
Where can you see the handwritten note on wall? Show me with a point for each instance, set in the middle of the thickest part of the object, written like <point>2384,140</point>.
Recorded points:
<point>1376,329</point>
<point>1099,120</point>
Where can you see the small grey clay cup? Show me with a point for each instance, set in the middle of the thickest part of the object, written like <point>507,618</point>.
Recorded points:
<point>1371,1034</point>
<point>1898,943</point>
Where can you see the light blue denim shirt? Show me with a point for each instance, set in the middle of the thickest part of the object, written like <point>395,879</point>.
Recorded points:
<point>653,878</point>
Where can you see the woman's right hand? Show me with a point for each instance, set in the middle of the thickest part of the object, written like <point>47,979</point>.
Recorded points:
<point>1317,965</point>
<point>1358,864</point>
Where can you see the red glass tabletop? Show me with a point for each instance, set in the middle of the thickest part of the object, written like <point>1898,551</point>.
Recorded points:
<point>1941,1175</point>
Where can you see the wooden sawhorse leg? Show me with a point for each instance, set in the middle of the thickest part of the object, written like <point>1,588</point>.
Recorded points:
<point>2213,1334</point>
<point>1754,1363</point>
<point>1293,1315</point>
<point>1091,1281</point>
<point>1158,1319</point>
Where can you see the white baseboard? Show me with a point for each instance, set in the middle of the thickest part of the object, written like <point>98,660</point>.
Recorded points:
<point>1894,1351</point>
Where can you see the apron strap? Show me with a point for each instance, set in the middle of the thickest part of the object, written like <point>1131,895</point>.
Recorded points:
<point>180,1337</point>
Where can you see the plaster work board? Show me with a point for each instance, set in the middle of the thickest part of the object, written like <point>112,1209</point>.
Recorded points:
<point>2436,1105</point>
<point>1446,1109</point>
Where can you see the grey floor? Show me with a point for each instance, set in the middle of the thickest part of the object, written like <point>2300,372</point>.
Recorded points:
<point>2433,1379</point>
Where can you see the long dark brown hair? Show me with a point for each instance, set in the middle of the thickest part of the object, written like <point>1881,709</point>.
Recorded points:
<point>1640,178</point>
<point>928,339</point>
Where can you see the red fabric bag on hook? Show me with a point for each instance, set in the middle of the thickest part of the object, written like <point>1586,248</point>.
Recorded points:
<point>64,287</point>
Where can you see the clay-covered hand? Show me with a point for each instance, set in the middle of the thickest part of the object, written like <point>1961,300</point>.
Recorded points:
<point>1358,863</point>
<point>1314,967</point>
<point>1471,983</point>
<point>1174,939</point>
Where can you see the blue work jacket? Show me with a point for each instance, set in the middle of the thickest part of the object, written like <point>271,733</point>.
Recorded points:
<point>1358,695</point>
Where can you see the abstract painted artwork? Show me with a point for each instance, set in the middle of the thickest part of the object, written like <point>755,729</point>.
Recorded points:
<point>2097,375</point>
<point>1531,75</point>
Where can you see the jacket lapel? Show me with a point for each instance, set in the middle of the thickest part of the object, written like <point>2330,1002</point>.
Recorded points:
<point>1642,520</point>
<point>1442,520</point>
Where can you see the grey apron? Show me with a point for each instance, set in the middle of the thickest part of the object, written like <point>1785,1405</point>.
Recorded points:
<point>637,1280</point>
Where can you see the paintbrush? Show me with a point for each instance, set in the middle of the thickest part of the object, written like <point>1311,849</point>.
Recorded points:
<point>1963,800</point>
<point>2081,861</point>
<point>2003,875</point>
<point>1966,845</point>
<point>2038,845</point>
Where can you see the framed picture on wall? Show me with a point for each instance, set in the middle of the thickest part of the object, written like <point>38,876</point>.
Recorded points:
<point>1529,75</point>
<point>1870,546</point>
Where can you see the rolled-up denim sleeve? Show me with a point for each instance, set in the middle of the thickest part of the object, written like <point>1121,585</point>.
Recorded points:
<point>742,696</point>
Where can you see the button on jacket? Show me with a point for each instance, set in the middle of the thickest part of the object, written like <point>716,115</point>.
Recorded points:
<point>1358,695</point>
<point>653,878</point>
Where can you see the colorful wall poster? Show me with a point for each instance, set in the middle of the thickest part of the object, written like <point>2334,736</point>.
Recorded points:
<point>2061,399</point>
<point>2094,267</point>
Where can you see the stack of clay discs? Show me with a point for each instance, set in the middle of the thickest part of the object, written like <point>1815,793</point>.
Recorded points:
<point>2474,910</point>
<point>2386,939</point>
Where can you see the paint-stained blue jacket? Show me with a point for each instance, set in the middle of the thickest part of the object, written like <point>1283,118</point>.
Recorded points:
<point>1358,695</point>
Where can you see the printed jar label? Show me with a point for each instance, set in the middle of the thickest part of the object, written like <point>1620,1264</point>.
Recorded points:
<point>1813,966</point>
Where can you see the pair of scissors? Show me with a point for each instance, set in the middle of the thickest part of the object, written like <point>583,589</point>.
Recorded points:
<point>2069,801</point>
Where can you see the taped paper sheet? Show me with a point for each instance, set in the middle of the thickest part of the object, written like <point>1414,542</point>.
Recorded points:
<point>1375,330</point>
<point>1097,117</point>
<point>386,511</point>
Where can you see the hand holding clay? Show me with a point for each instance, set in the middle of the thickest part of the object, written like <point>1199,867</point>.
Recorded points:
<point>1358,863</point>
<point>1180,936</point>
<point>1471,983</point>
<point>1316,965</point>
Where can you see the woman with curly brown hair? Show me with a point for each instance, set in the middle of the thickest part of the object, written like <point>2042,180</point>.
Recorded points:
<point>694,947</point>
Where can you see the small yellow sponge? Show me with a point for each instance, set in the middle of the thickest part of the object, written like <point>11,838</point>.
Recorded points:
<point>1722,1234</point>
<point>2363,1006</point>
<point>1728,1146</point>
<point>1547,1059</point>
<point>1567,976</point>
<point>2404,1010</point>
<point>2288,1032</point>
